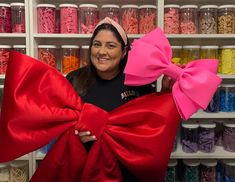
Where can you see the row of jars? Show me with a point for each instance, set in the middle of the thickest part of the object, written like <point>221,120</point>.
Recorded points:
<point>206,19</point>
<point>12,18</point>
<point>71,18</point>
<point>200,170</point>
<point>16,171</point>
<point>205,136</point>
<point>225,54</point>
<point>223,99</point>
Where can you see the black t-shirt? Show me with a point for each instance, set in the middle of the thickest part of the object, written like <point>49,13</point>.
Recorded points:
<point>108,95</point>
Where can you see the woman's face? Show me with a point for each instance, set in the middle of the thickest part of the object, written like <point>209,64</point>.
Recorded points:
<point>106,54</point>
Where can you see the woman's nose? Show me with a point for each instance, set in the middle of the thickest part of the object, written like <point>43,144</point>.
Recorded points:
<point>102,50</point>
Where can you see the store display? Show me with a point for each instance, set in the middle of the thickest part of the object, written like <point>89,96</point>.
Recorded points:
<point>5,18</point>
<point>229,136</point>
<point>18,17</point>
<point>47,54</point>
<point>226,19</point>
<point>227,58</point>
<point>110,10</point>
<point>227,97</point>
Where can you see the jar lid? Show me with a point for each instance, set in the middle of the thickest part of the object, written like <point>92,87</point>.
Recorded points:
<point>172,163</point>
<point>227,6</point>
<point>88,5</point>
<point>207,125</point>
<point>209,47</point>
<point>46,5</point>
<point>228,85</point>
<point>191,162</point>
<point>4,4</point>
<point>70,46</point>
<point>46,46</point>
<point>148,6</point>
<point>190,125</point>
<point>209,162</point>
<point>229,124</point>
<point>129,6</point>
<point>18,163</point>
<point>189,6</point>
<point>191,47</point>
<point>68,5</point>
<point>228,47</point>
<point>19,46</point>
<point>176,47</point>
<point>5,46</point>
<point>208,6</point>
<point>17,4</point>
<point>230,162</point>
<point>172,6</point>
<point>110,6</point>
<point>85,47</point>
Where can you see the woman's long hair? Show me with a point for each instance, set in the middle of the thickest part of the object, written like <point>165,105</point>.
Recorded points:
<point>87,74</point>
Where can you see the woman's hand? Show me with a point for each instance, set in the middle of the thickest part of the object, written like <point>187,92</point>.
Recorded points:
<point>85,136</point>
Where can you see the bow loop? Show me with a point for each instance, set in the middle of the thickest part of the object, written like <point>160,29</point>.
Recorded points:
<point>195,85</point>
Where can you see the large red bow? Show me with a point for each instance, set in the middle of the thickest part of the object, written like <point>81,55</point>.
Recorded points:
<point>39,105</point>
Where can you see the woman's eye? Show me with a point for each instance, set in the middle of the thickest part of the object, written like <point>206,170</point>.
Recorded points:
<point>96,44</point>
<point>111,46</point>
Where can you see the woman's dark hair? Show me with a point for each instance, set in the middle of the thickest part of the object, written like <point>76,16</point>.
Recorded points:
<point>86,76</point>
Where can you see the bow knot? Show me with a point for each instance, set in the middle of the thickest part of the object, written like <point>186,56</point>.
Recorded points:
<point>88,119</point>
<point>174,71</point>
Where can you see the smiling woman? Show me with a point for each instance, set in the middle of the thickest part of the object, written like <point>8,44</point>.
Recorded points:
<point>101,82</point>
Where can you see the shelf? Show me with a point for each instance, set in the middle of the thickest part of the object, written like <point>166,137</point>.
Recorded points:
<point>12,35</point>
<point>68,36</point>
<point>24,157</point>
<point>219,153</point>
<point>202,114</point>
<point>2,76</point>
<point>227,76</point>
<point>204,36</point>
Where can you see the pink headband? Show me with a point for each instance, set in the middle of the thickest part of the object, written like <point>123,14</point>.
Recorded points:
<point>116,25</point>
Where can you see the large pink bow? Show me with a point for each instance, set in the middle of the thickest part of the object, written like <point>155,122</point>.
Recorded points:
<point>195,85</point>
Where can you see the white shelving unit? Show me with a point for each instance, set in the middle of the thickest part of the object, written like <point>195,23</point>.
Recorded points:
<point>32,39</point>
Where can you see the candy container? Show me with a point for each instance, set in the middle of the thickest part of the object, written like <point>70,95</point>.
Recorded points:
<point>147,18</point>
<point>229,168</point>
<point>176,58</point>
<point>208,170</point>
<point>227,55</point>
<point>89,17</point>
<point>47,54</point>
<point>85,55</point>
<point>5,18</point>
<point>110,10</point>
<point>191,173</point>
<point>18,17</point>
<point>190,53</point>
<point>171,171</point>
<point>68,18</point>
<point>20,48</point>
<point>229,137</point>
<point>214,104</point>
<point>4,57</point>
<point>227,97</point>
<point>46,18</point>
<point>171,19</point>
<point>129,18</point>
<point>226,19</point>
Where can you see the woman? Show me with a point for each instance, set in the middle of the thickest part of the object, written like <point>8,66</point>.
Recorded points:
<point>102,82</point>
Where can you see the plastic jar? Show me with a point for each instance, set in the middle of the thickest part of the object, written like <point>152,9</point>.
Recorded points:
<point>229,137</point>
<point>89,18</point>
<point>57,20</point>
<point>4,57</point>
<point>18,17</point>
<point>209,52</point>
<point>226,19</point>
<point>206,139</point>
<point>191,173</point>
<point>227,97</point>
<point>208,19</point>
<point>46,18</point>
<point>188,19</point>
<point>189,137</point>
<point>172,19</point>
<point>85,57</point>
<point>20,48</point>
<point>129,18</point>
<point>171,171</point>
<point>4,172</point>
<point>19,171</point>
<point>70,58</point>
<point>208,170</point>
<point>227,57</point>
<point>176,56</point>
<point>229,168</point>
<point>110,10</point>
<point>147,18</point>
<point>5,18</point>
<point>214,104</point>
<point>47,54</point>
<point>68,18</point>
<point>190,53</point>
